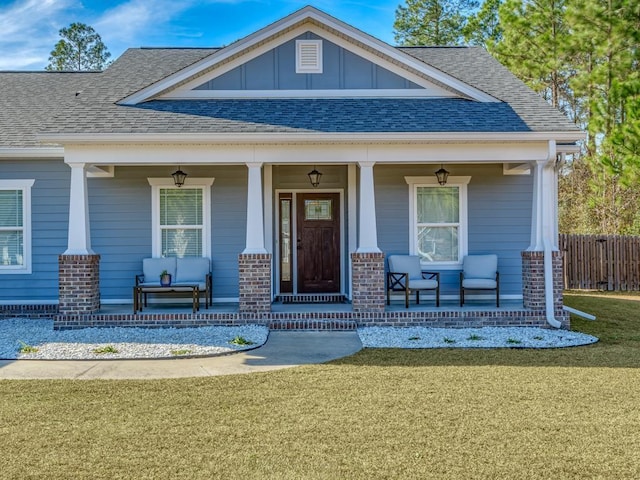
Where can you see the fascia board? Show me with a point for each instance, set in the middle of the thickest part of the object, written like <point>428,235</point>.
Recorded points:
<point>335,93</point>
<point>306,137</point>
<point>32,152</point>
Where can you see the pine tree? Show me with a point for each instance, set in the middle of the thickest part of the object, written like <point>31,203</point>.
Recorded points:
<point>606,33</point>
<point>80,49</point>
<point>606,83</point>
<point>432,22</point>
<point>534,35</point>
<point>483,28</point>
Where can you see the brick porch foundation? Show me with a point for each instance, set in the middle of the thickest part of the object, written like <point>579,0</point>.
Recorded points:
<point>254,271</point>
<point>79,284</point>
<point>533,295</point>
<point>367,282</point>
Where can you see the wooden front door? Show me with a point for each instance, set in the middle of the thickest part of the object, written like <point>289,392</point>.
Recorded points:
<point>318,242</point>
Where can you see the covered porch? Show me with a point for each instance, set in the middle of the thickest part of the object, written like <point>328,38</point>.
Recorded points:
<point>362,259</point>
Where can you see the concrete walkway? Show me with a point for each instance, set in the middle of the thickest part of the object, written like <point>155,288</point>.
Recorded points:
<point>282,350</point>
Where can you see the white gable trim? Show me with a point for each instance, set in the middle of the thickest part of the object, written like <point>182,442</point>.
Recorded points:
<point>290,22</point>
<point>335,93</point>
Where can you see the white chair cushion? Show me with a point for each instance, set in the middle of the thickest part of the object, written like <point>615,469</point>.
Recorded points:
<point>192,270</point>
<point>423,284</point>
<point>406,264</point>
<point>479,283</point>
<point>480,266</point>
<point>153,267</point>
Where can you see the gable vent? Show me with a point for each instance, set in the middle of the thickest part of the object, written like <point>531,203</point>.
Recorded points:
<point>308,56</point>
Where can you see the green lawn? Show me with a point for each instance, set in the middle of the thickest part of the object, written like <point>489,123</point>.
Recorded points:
<point>553,414</point>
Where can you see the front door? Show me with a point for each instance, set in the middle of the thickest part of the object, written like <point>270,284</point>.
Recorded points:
<point>318,242</point>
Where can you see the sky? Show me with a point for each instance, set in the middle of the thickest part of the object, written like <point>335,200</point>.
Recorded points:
<point>29,28</point>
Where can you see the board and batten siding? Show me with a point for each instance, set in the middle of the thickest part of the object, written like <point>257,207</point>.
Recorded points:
<point>499,217</point>
<point>276,70</point>
<point>49,221</point>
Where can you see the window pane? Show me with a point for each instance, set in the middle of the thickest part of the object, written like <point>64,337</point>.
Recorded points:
<point>438,244</point>
<point>438,204</point>
<point>318,209</point>
<point>180,206</point>
<point>11,245</point>
<point>181,242</point>
<point>10,208</point>
<point>285,229</point>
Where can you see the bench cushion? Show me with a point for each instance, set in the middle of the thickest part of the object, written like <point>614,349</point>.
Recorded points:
<point>153,267</point>
<point>192,270</point>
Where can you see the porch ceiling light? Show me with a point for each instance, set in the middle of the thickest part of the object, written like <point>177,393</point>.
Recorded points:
<point>178,177</point>
<point>314,177</point>
<point>442,176</point>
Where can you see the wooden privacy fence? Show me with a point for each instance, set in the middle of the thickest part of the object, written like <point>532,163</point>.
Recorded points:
<point>601,262</point>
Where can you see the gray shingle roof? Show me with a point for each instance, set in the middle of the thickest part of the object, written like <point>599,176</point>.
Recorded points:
<point>29,100</point>
<point>49,102</point>
<point>341,115</point>
<point>475,66</point>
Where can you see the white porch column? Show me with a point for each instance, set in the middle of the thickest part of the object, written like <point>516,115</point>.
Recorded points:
<point>544,222</point>
<point>542,262</point>
<point>79,240</point>
<point>255,216</point>
<point>367,230</point>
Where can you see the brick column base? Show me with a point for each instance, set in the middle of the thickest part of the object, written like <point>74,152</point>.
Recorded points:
<point>255,282</point>
<point>367,282</point>
<point>533,283</point>
<point>78,284</point>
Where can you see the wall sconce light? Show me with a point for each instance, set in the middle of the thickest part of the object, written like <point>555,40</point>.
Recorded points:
<point>178,177</point>
<point>442,175</point>
<point>314,177</point>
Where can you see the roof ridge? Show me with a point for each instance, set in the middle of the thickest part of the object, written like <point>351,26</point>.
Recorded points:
<point>175,48</point>
<point>436,46</point>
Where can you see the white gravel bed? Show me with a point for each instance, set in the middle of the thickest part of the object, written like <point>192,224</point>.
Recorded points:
<point>485,337</point>
<point>110,343</point>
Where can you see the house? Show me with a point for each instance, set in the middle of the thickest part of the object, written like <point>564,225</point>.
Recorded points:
<point>86,164</point>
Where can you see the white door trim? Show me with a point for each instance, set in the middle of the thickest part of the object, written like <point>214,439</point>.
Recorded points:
<point>276,237</point>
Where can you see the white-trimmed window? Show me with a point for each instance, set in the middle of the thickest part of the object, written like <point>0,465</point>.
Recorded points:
<point>181,218</point>
<point>438,220</point>
<point>15,226</point>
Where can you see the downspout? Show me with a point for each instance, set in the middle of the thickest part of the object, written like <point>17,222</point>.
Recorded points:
<point>548,230</point>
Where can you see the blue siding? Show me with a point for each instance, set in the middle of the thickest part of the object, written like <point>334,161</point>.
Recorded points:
<point>499,217</point>
<point>49,220</point>
<point>276,70</point>
<point>228,229</point>
<point>120,210</point>
<point>120,213</point>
